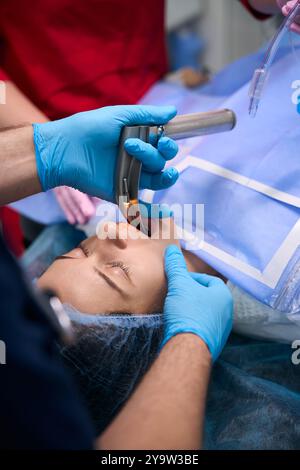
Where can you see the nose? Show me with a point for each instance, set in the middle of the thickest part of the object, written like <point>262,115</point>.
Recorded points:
<point>111,233</point>
<point>121,239</point>
<point>119,235</point>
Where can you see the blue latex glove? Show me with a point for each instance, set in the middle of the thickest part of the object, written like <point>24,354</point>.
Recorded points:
<point>81,151</point>
<point>196,303</point>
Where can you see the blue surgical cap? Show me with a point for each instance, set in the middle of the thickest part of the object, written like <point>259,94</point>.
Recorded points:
<point>112,352</point>
<point>110,356</point>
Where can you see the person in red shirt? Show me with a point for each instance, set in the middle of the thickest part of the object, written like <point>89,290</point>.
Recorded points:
<point>60,57</point>
<point>68,56</point>
<point>261,9</point>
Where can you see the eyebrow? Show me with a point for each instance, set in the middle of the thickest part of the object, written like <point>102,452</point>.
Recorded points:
<point>110,282</point>
<point>107,279</point>
<point>63,257</point>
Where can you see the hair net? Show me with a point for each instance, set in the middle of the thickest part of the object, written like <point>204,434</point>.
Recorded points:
<point>109,357</point>
<point>254,396</point>
<point>111,353</point>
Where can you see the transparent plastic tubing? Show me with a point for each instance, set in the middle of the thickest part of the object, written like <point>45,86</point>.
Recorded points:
<point>261,74</point>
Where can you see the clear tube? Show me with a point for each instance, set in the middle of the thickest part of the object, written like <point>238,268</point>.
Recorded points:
<point>261,74</point>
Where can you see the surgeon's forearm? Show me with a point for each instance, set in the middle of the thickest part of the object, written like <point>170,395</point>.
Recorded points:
<point>18,172</point>
<point>268,7</point>
<point>167,409</point>
<point>18,175</point>
<point>18,109</point>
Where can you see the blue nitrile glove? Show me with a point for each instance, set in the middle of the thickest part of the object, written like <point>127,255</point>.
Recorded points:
<point>196,303</point>
<point>155,211</point>
<point>81,151</point>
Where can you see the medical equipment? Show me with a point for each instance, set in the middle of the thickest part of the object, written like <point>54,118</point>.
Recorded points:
<point>95,135</point>
<point>261,74</point>
<point>127,180</point>
<point>43,207</point>
<point>255,387</point>
<point>251,214</point>
<point>56,315</point>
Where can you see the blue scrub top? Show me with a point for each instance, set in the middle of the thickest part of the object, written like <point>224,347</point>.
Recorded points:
<point>39,407</point>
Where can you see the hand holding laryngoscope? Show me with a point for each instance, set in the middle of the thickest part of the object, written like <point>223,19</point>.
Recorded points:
<point>81,151</point>
<point>129,170</point>
<point>100,154</point>
<point>196,303</point>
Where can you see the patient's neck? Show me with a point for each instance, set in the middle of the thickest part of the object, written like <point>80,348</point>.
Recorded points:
<point>196,265</point>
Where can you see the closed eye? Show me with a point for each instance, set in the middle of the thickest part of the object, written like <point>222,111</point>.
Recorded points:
<point>124,267</point>
<point>113,264</point>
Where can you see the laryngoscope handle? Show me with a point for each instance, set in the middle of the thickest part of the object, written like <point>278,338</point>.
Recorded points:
<point>198,124</point>
<point>128,171</point>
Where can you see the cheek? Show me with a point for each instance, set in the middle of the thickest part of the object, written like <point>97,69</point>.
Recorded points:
<point>151,286</point>
<point>64,278</point>
<point>154,256</point>
<point>75,285</point>
<point>52,278</point>
<point>64,282</point>
<point>164,234</point>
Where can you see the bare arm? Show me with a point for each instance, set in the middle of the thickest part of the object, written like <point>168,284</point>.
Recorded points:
<point>167,409</point>
<point>18,109</point>
<point>18,176</point>
<point>269,7</point>
<point>18,172</point>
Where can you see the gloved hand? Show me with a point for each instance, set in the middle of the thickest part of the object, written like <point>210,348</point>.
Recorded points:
<point>286,8</point>
<point>77,207</point>
<point>196,303</point>
<point>81,151</point>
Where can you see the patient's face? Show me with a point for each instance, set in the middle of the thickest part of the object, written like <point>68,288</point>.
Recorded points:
<point>112,275</point>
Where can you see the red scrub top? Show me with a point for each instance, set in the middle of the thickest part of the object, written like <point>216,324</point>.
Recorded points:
<point>255,13</point>
<point>73,55</point>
